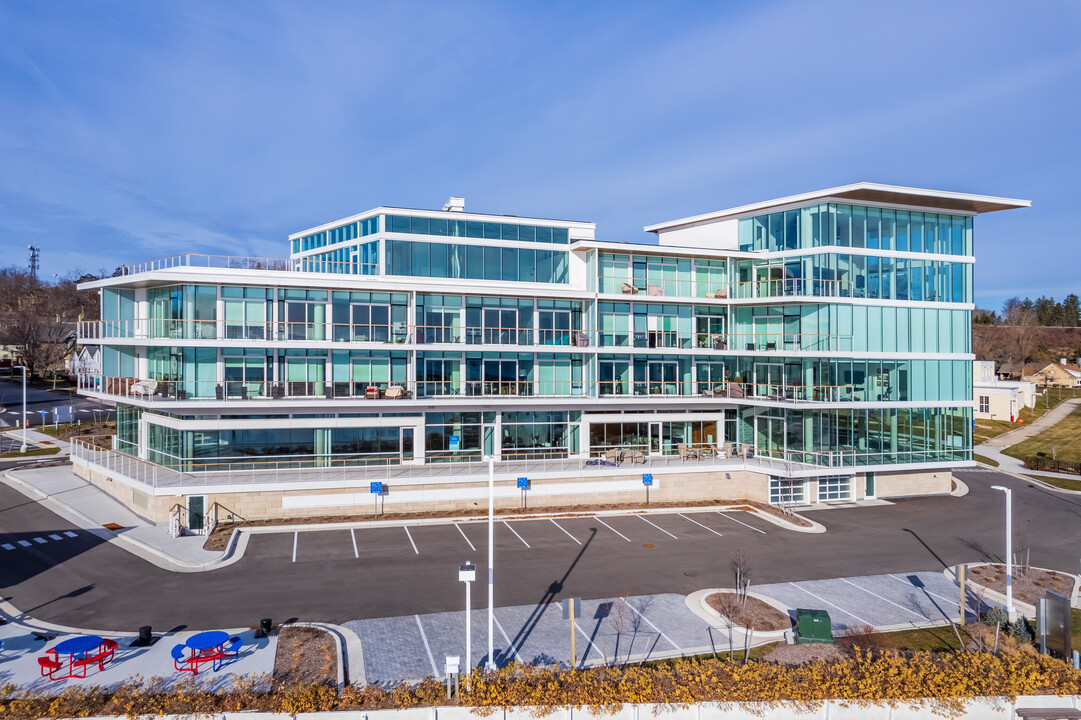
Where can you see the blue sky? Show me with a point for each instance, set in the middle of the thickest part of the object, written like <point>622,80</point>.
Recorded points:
<point>130,131</point>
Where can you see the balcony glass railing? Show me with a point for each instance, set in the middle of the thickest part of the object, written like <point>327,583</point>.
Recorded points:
<point>173,390</point>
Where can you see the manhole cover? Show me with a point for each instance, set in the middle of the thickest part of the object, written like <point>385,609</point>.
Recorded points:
<point>691,574</point>
<point>649,546</point>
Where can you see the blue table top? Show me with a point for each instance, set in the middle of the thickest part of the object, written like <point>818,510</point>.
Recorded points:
<point>78,645</point>
<point>207,640</point>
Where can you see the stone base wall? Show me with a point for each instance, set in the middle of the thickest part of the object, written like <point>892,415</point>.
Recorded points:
<point>473,495</point>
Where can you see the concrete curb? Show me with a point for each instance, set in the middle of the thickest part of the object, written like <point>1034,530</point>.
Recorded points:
<point>714,618</point>
<point>336,632</point>
<point>815,527</point>
<point>1028,609</point>
<point>1031,479</point>
<point>962,488</point>
<point>16,617</point>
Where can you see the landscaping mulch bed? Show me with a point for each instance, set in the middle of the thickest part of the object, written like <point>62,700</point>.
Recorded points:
<point>800,654</point>
<point>754,613</point>
<point>305,656</point>
<point>1028,586</point>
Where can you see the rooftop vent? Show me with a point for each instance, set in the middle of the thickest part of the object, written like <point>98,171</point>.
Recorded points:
<point>454,204</point>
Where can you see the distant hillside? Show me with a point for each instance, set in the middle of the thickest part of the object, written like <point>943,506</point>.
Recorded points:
<point>992,342</point>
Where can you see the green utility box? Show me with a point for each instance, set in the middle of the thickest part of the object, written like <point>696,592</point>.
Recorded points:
<point>813,626</point>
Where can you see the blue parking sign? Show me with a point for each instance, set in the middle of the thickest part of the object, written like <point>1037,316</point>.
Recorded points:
<point>377,488</point>
<point>647,478</point>
<point>523,483</point>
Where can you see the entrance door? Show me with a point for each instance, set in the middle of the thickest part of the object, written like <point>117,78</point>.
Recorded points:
<point>769,435</point>
<point>655,440</point>
<point>197,514</point>
<point>663,377</point>
<point>769,380</point>
<point>500,326</point>
<point>500,377</point>
<point>769,280</point>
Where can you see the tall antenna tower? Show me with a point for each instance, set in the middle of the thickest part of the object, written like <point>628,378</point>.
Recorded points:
<point>33,253</point>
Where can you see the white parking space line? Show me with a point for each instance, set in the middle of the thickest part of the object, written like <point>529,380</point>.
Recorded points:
<point>701,525</point>
<point>565,532</point>
<point>752,527</point>
<point>510,645</point>
<point>891,602</point>
<point>659,632</point>
<point>589,644</point>
<point>821,599</point>
<point>69,533</point>
<point>617,532</point>
<point>356,553</point>
<point>659,528</point>
<point>295,534</point>
<point>466,538</point>
<point>951,601</point>
<point>515,535</point>
<point>8,546</point>
<point>23,543</point>
<point>40,541</point>
<point>431,658</point>
<point>55,537</point>
<point>410,536</point>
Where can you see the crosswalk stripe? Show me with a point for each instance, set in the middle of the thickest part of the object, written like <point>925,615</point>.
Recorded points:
<point>8,546</point>
<point>55,537</point>
<point>40,541</point>
<point>69,533</point>
<point>23,543</point>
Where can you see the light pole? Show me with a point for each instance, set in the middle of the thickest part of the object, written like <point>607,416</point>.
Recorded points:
<point>1009,551</point>
<point>468,573</point>
<point>491,561</point>
<point>23,368</point>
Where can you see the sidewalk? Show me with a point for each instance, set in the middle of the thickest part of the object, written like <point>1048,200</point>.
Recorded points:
<point>61,491</point>
<point>36,438</point>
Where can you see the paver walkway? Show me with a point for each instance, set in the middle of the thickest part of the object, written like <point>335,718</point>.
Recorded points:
<point>640,627</point>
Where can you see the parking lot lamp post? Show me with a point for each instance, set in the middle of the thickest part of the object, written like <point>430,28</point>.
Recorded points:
<point>468,573</point>
<point>23,368</point>
<point>491,561</point>
<point>1009,551</point>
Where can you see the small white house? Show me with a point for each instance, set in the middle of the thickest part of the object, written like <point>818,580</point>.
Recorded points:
<point>999,399</point>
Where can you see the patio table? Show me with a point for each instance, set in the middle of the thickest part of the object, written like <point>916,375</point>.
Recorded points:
<point>76,648</point>
<point>206,647</point>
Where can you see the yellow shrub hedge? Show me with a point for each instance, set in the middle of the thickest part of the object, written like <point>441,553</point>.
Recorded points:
<point>940,681</point>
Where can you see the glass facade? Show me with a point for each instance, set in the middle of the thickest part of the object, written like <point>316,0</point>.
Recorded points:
<point>857,226</point>
<point>834,355</point>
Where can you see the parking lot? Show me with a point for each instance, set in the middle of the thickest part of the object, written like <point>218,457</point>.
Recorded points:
<point>469,540</point>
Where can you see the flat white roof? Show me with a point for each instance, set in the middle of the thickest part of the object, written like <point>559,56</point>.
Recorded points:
<point>449,215</point>
<point>866,192</point>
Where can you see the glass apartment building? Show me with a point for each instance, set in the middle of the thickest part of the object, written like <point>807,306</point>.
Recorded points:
<point>807,349</point>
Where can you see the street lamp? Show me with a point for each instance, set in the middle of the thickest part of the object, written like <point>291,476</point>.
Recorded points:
<point>23,368</point>
<point>1009,551</point>
<point>468,573</point>
<point>491,561</point>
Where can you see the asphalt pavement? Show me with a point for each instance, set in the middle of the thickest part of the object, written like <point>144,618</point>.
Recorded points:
<point>326,576</point>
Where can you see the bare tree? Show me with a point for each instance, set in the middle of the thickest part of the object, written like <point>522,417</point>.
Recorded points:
<point>742,564</point>
<point>1021,329</point>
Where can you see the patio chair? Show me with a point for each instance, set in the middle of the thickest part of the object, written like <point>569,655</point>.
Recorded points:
<point>628,289</point>
<point>180,658</point>
<point>145,387</point>
<point>686,453</point>
<point>717,294</point>
<point>48,666</point>
<point>109,647</point>
<point>655,290</point>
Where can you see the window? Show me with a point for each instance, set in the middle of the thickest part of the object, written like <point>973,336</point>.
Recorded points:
<point>985,403</point>
<point>834,487</point>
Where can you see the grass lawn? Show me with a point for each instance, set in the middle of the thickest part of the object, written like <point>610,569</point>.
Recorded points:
<point>985,460</point>
<point>1064,437</point>
<point>29,452</point>
<point>1075,628</point>
<point>987,429</point>
<point>65,430</point>
<point>1064,483</point>
<point>938,639</point>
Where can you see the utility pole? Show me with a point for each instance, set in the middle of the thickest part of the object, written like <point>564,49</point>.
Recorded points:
<point>33,253</point>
